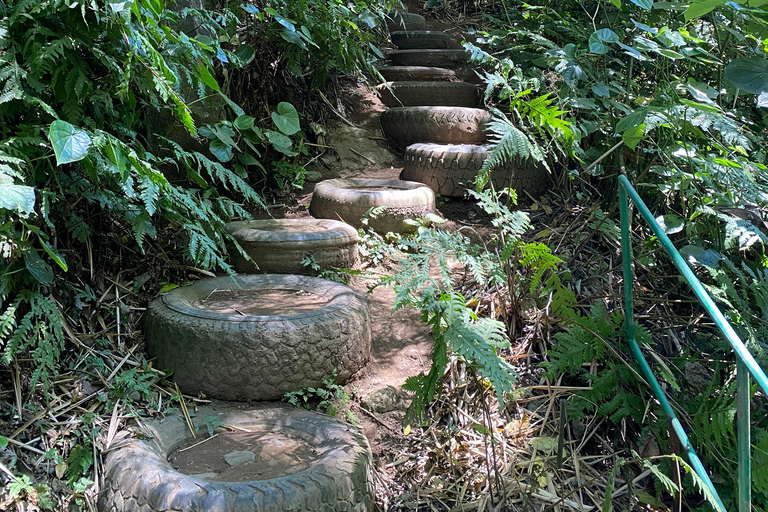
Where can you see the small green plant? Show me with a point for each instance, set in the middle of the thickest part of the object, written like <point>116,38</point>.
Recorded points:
<point>211,423</point>
<point>289,176</point>
<point>330,398</point>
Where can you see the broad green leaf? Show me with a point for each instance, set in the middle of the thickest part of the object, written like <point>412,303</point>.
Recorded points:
<point>633,136</point>
<point>643,4</point>
<point>281,143</point>
<point>762,100</point>
<point>248,159</point>
<point>245,53</point>
<point>221,150</point>
<point>749,74</point>
<point>699,9</point>
<point>244,123</point>
<point>617,3</point>
<point>69,143</point>
<point>39,269</point>
<point>54,254</point>
<point>670,223</point>
<point>206,76</point>
<point>18,198</point>
<point>602,90</point>
<point>3,442</point>
<point>633,120</point>
<point>712,109</point>
<point>544,444</point>
<point>286,118</point>
<point>671,54</point>
<point>599,40</point>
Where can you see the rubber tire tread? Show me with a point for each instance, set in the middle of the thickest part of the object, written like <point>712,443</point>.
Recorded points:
<point>414,94</point>
<point>429,58</point>
<point>417,74</point>
<point>138,477</point>
<point>278,246</point>
<point>246,357</point>
<point>422,39</point>
<point>405,21</point>
<point>343,198</point>
<point>450,170</point>
<point>404,126</point>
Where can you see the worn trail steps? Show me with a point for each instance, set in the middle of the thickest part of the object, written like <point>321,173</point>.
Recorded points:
<point>425,93</point>
<point>422,39</point>
<point>417,74</point>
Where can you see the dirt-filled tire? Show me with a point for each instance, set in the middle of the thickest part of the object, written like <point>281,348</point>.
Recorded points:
<point>450,170</point>
<point>351,199</point>
<point>422,39</point>
<point>405,21</point>
<point>257,337</point>
<point>139,478</point>
<point>278,246</point>
<point>414,94</point>
<point>404,126</point>
<point>429,58</point>
<point>417,74</point>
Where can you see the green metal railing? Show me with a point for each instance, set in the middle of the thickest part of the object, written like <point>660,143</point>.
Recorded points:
<point>746,364</point>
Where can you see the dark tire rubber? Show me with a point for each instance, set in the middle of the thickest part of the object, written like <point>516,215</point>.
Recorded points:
<point>139,478</point>
<point>447,125</point>
<point>239,356</point>
<point>422,39</point>
<point>405,21</point>
<point>413,94</point>
<point>277,246</point>
<point>417,74</point>
<point>429,58</point>
<point>450,170</point>
<point>350,200</point>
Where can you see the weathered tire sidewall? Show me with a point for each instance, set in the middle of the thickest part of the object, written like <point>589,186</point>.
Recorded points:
<point>281,249</point>
<point>422,39</point>
<point>336,199</point>
<point>138,477</point>
<point>450,170</point>
<point>404,126</point>
<point>417,74</point>
<point>245,357</point>
<point>405,21</point>
<point>430,58</point>
<point>427,93</point>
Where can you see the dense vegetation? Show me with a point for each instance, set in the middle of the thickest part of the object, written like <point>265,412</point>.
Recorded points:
<point>135,132</point>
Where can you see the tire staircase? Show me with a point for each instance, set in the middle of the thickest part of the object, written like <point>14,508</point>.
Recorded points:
<point>258,336</point>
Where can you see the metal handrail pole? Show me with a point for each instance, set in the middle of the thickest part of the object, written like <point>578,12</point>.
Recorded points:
<point>626,250</point>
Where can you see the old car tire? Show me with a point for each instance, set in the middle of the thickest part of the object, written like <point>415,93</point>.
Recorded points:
<point>139,478</point>
<point>429,58</point>
<point>417,74</point>
<point>421,39</point>
<point>351,199</point>
<point>450,169</point>
<point>416,94</point>
<point>278,246</point>
<point>448,125</point>
<point>257,337</point>
<point>405,21</point>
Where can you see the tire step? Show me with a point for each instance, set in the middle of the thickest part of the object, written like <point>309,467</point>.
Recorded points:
<point>351,199</point>
<point>417,74</point>
<point>422,39</point>
<point>278,246</point>
<point>413,94</point>
<point>405,21</point>
<point>430,58</point>
<point>451,169</point>
<point>404,126</point>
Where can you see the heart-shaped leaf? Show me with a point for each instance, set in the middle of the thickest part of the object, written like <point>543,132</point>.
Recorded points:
<point>670,223</point>
<point>69,143</point>
<point>599,40</point>
<point>286,118</point>
<point>19,198</point>
<point>221,150</point>
<point>749,74</point>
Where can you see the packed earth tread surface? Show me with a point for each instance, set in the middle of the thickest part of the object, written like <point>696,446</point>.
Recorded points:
<point>429,58</point>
